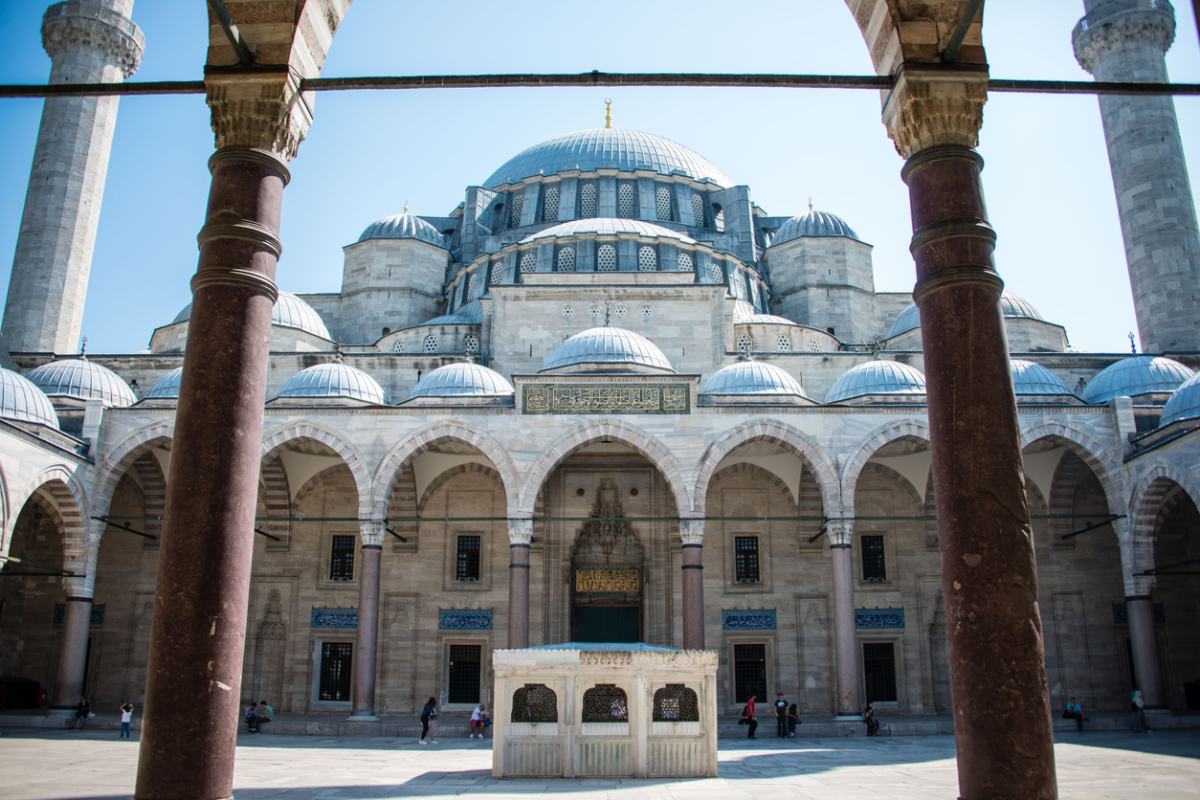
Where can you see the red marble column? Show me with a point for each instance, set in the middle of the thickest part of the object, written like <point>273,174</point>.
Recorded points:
<point>367,635</point>
<point>68,684</point>
<point>193,686</point>
<point>1003,729</point>
<point>845,637</point>
<point>692,533</point>
<point>520,537</point>
<point>1140,611</point>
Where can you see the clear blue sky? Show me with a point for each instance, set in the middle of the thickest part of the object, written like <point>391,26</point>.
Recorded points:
<point>1047,179</point>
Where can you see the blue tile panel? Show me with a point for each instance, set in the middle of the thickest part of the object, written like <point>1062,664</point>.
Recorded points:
<point>455,619</point>
<point>875,619</point>
<point>762,619</point>
<point>339,618</point>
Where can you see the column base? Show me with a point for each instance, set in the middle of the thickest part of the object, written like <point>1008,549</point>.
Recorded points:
<point>362,718</point>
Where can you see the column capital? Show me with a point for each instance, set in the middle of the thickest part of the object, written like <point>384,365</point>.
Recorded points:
<point>371,532</point>
<point>840,532</point>
<point>75,25</point>
<point>260,107</point>
<point>691,531</point>
<point>520,532</point>
<point>930,106</point>
<point>1117,23</point>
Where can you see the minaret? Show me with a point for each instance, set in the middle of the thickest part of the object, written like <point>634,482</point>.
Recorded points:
<point>1127,40</point>
<point>89,41</point>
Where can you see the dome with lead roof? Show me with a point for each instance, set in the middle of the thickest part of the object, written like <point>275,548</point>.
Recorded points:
<point>403,226</point>
<point>289,311</point>
<point>167,387</point>
<point>608,226</point>
<point>334,380</point>
<point>813,223</point>
<point>1184,404</point>
<point>1012,306</point>
<point>1030,378</point>
<point>751,377</point>
<point>608,148</point>
<point>608,349</point>
<point>1136,376</point>
<point>80,379</point>
<point>877,378</point>
<point>22,401</point>
<point>462,380</point>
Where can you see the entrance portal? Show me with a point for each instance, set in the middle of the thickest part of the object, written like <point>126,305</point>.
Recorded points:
<point>607,574</point>
<point>607,624</point>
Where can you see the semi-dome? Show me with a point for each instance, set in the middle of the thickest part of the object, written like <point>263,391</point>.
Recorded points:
<point>751,377</point>
<point>290,311</point>
<point>608,148</point>
<point>167,387</point>
<point>22,401</point>
<point>813,223</point>
<point>876,377</point>
<point>334,380</point>
<point>608,226</point>
<point>1184,404</point>
<point>403,226</point>
<point>1031,378</point>
<point>1135,376</point>
<point>80,379</point>
<point>1012,306</point>
<point>608,347</point>
<point>464,379</point>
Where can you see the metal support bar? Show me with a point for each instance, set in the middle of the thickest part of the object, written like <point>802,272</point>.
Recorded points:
<point>270,536</point>
<point>245,57</point>
<point>392,531</point>
<point>950,51</point>
<point>1162,570</point>
<point>124,526</point>
<point>60,574</point>
<point>819,533</point>
<point>1093,526</point>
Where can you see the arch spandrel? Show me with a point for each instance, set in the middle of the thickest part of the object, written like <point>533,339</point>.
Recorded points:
<point>59,486</point>
<point>121,458</point>
<point>880,437</point>
<point>350,455</point>
<point>1087,448</point>
<point>645,443</point>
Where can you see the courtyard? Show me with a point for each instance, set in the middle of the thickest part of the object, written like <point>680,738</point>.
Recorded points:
<point>1096,765</point>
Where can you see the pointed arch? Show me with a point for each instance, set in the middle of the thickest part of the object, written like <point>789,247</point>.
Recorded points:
<point>59,486</point>
<point>121,458</point>
<point>645,443</point>
<point>1147,497</point>
<point>1092,452</point>
<point>876,440</point>
<point>349,454</point>
<point>451,473</point>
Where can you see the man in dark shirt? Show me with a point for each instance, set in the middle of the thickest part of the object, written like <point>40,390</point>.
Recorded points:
<point>780,716</point>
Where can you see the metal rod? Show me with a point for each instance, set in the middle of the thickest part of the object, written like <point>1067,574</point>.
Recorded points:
<point>245,57</point>
<point>392,531</point>
<point>1159,570</point>
<point>60,574</point>
<point>272,537</point>
<point>1093,526</point>
<point>950,51</point>
<point>124,526</point>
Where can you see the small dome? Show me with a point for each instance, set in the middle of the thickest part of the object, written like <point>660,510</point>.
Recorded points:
<point>167,387</point>
<point>403,226</point>
<point>876,377</point>
<point>1135,376</point>
<point>80,379</point>
<point>608,148</point>
<point>1184,404</point>
<point>470,314</point>
<point>607,226</point>
<point>813,223</point>
<point>608,346</point>
<point>334,380</point>
<point>465,379</point>
<point>751,377</point>
<point>289,311</point>
<point>1012,306</point>
<point>1030,378</point>
<point>22,401</point>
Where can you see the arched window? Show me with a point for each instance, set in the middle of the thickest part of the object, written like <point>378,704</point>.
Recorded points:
<point>430,345</point>
<point>398,345</point>
<point>676,703</point>
<point>567,312</point>
<point>534,702</point>
<point>550,203</point>
<point>718,218</point>
<point>783,343</point>
<point>626,200</point>
<point>684,263</point>
<point>518,208</point>
<point>647,313</point>
<point>587,200</point>
<point>647,259</point>
<point>605,702</point>
<point>471,344</point>
<point>473,285</point>
<point>662,202</point>
<point>744,343</point>
<point>528,261</point>
<point>566,259</point>
<point>715,273</point>
<point>497,216</point>
<point>753,291</point>
<point>606,258</point>
<point>619,313</point>
<point>698,209</point>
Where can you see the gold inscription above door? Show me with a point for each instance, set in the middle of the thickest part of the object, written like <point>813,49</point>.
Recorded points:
<point>608,580</point>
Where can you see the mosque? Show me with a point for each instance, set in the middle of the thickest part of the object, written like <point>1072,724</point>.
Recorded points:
<point>605,398</point>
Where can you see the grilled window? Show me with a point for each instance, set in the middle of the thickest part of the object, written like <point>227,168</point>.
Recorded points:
<point>749,672</point>
<point>606,258</point>
<point>684,263</point>
<point>662,202</point>
<point>518,208</point>
<point>550,203</point>
<point>605,702</point>
<point>464,673</point>
<point>745,559</point>
<point>341,558</point>
<point>466,559</point>
<point>744,343</point>
<point>528,261</point>
<point>874,565</point>
<point>879,671</point>
<point>715,273</point>
<point>676,703</point>
<point>587,200</point>
<point>336,662</point>
<point>473,286</point>
<point>430,345</point>
<point>566,259</point>
<point>471,344</point>
<point>535,702</point>
<point>647,259</point>
<point>698,210</point>
<point>783,343</point>
<point>626,200</point>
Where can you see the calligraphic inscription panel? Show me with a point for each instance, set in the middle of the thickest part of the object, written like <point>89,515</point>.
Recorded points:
<point>607,580</point>
<point>607,398</point>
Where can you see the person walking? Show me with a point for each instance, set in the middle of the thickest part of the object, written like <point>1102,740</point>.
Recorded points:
<point>126,720</point>
<point>749,718</point>
<point>780,716</point>
<point>429,722</point>
<point>793,719</point>
<point>82,712</point>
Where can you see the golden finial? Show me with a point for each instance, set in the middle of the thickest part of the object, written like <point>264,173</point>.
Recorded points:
<point>404,213</point>
<point>607,113</point>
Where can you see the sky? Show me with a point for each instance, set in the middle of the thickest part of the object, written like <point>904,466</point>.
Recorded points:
<point>1046,179</point>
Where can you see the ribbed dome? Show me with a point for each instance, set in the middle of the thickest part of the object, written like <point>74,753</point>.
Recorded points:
<point>608,148</point>
<point>1134,376</point>
<point>751,377</point>
<point>403,226</point>
<point>608,226</point>
<point>608,346</point>
<point>167,387</point>
<point>876,377</point>
<point>80,379</point>
<point>464,379</point>
<point>1184,404</point>
<point>1012,306</point>
<point>813,223</point>
<point>289,311</point>
<point>470,314</point>
<point>1030,378</point>
<point>334,380</point>
<point>22,401</point>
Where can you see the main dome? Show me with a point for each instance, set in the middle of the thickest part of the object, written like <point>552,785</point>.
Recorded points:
<point>608,148</point>
<point>606,347</point>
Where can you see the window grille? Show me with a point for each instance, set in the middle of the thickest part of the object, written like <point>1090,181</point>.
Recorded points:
<point>398,346</point>
<point>605,702</point>
<point>587,200</point>
<point>567,312</point>
<point>879,671</point>
<point>566,259</point>
<point>647,259</point>
<point>594,310</point>
<point>749,672</point>
<point>550,203</point>
<point>745,559</point>
<point>534,702</point>
<point>684,263</point>
<point>715,273</point>
<point>606,258</point>
<point>466,559</point>
<point>647,312</point>
<point>753,291</point>
<point>676,703</point>
<point>471,344</point>
<point>626,205</point>
<point>783,343</point>
<point>874,566</point>
<point>341,558</point>
<point>814,347</point>
<point>464,673</point>
<point>518,208</point>
<point>662,202</point>
<point>619,313</point>
<point>698,209</point>
<point>430,345</point>
<point>336,662</point>
<point>744,343</point>
<point>528,262</point>
<point>473,286</point>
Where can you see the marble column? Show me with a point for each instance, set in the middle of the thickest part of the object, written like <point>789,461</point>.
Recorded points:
<point>691,531</point>
<point>366,640</point>
<point>846,652</point>
<point>1140,611</point>
<point>520,536</point>
<point>68,684</point>
<point>1002,717</point>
